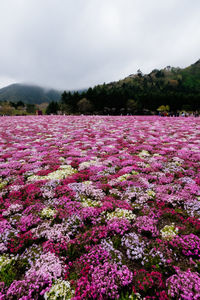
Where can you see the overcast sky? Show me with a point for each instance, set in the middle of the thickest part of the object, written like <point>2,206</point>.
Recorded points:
<point>72,44</point>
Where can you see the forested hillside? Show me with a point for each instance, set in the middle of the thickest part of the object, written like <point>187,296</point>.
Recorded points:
<point>178,88</point>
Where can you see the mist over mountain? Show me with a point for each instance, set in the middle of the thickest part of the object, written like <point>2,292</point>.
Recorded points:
<point>173,86</point>
<point>28,94</point>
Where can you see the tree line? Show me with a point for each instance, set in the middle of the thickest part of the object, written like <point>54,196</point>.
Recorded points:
<point>137,94</point>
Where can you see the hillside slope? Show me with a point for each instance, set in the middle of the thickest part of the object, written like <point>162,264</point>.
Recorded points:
<point>178,88</point>
<point>28,94</point>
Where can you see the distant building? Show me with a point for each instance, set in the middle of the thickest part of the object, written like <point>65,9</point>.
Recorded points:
<point>168,68</point>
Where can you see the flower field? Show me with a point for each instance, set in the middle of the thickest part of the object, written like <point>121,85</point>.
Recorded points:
<point>95,207</point>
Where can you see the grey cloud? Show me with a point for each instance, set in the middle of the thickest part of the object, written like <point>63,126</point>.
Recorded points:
<point>70,44</point>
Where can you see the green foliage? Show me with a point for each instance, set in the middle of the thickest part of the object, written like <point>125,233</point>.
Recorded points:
<point>116,241</point>
<point>84,105</point>
<point>172,88</point>
<point>52,108</point>
<point>163,108</point>
<point>30,108</point>
<point>12,270</point>
<point>129,296</point>
<point>74,251</point>
<point>136,94</point>
<point>7,109</point>
<point>132,106</point>
<point>61,289</point>
<point>8,274</point>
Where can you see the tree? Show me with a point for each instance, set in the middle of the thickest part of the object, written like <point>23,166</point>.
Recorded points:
<point>186,107</point>
<point>52,108</point>
<point>69,101</point>
<point>163,108</point>
<point>132,106</point>
<point>159,74</point>
<point>66,108</point>
<point>84,105</point>
<point>6,109</point>
<point>167,107</point>
<point>13,104</point>
<point>30,108</point>
<point>20,103</point>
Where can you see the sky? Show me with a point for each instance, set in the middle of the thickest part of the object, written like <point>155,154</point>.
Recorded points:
<point>74,44</point>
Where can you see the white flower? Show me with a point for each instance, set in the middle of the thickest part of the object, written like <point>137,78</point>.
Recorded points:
<point>60,290</point>
<point>143,153</point>
<point>90,203</point>
<point>151,193</point>
<point>63,172</point>
<point>123,177</point>
<point>47,212</point>
<point>3,184</point>
<point>87,164</point>
<point>4,260</point>
<point>169,231</point>
<point>121,213</point>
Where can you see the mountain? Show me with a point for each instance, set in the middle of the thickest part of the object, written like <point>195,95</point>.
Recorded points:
<point>177,88</point>
<point>188,78</point>
<point>28,94</point>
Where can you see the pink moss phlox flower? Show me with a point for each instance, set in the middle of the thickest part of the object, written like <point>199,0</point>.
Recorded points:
<point>66,228</point>
<point>184,285</point>
<point>48,264</point>
<point>147,224</point>
<point>118,225</point>
<point>30,287</point>
<point>28,221</point>
<point>106,279</point>
<point>190,244</point>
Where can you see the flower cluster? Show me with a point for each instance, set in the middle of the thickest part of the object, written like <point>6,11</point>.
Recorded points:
<point>169,231</point>
<point>119,225</point>
<point>106,279</point>
<point>29,288</point>
<point>147,224</point>
<point>99,207</point>
<point>47,212</point>
<point>56,175</point>
<point>61,289</point>
<point>134,246</point>
<point>146,281</point>
<point>121,213</point>
<point>4,260</point>
<point>47,264</point>
<point>190,244</point>
<point>184,285</point>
